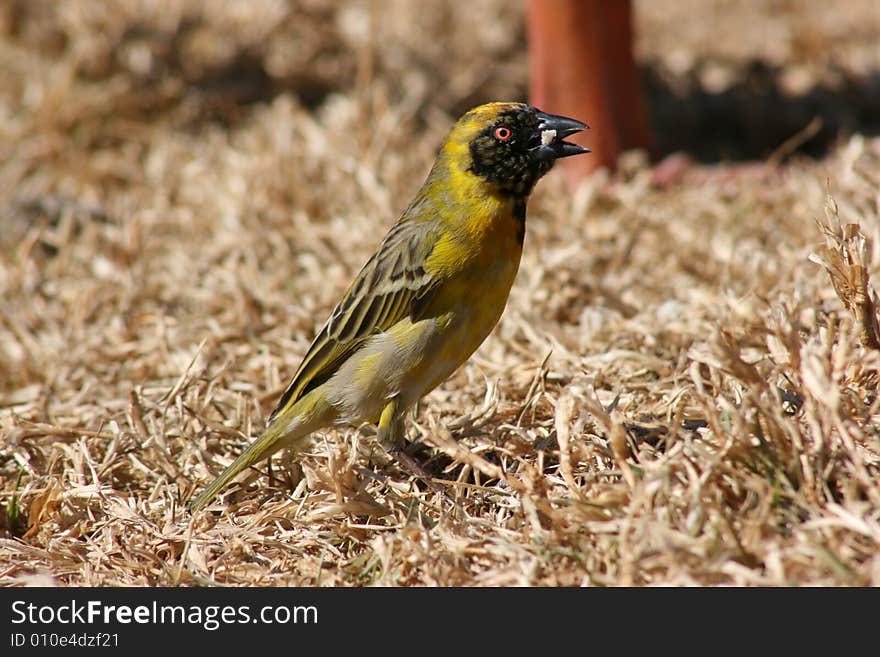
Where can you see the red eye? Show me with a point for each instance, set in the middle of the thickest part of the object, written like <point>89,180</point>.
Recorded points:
<point>502,133</point>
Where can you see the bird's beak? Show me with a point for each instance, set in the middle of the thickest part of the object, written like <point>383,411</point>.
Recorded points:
<point>551,130</point>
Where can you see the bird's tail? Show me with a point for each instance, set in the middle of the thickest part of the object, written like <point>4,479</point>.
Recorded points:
<point>289,429</point>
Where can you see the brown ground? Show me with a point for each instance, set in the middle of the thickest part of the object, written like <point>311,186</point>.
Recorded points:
<point>677,394</point>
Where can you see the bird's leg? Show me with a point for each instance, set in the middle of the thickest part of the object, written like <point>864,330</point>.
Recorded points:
<point>391,434</point>
<point>390,430</point>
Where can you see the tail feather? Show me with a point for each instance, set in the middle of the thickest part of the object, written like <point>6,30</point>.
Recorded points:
<point>287,429</point>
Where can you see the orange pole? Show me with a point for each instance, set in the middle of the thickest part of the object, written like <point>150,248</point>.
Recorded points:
<point>583,66</point>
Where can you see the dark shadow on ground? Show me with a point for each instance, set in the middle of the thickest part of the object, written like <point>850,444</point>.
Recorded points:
<point>750,120</point>
<point>754,117</point>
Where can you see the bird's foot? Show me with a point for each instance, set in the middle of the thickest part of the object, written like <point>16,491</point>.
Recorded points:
<point>415,469</point>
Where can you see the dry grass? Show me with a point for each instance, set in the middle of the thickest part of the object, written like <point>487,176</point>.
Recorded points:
<point>676,394</point>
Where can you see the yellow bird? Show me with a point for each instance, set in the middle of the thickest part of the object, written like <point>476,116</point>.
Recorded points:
<point>432,291</point>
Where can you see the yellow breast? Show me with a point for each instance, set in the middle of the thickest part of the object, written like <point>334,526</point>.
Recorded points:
<point>478,266</point>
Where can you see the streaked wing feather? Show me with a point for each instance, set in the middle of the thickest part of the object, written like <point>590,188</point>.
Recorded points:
<point>390,286</point>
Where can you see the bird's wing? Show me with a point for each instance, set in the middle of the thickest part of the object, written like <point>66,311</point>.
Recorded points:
<point>392,285</point>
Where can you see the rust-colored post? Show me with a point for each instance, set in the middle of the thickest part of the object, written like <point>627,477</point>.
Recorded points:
<point>583,66</point>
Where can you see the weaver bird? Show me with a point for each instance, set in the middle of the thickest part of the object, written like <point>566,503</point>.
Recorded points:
<point>432,291</point>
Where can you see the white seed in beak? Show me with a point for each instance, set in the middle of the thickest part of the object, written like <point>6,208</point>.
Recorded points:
<point>547,137</point>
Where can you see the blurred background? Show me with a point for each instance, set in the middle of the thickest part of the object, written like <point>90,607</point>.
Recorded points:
<point>725,80</point>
